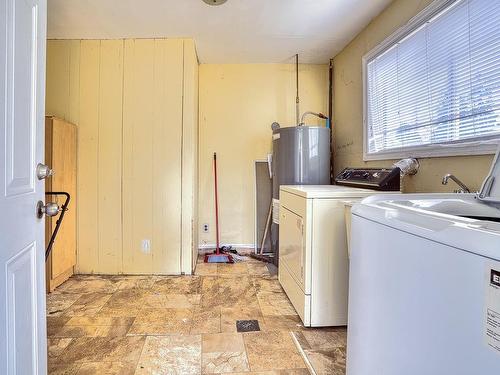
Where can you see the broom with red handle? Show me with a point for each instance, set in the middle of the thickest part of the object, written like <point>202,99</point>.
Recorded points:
<point>218,256</point>
<point>216,207</point>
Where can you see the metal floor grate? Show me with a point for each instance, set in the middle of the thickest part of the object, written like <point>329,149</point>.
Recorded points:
<point>247,325</point>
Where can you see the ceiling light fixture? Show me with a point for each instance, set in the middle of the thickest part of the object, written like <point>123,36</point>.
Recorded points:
<point>214,2</point>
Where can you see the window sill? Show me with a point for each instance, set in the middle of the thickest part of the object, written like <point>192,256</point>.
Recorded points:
<point>436,151</point>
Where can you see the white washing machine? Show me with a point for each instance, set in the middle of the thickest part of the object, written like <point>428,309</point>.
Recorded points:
<point>313,263</point>
<point>424,286</point>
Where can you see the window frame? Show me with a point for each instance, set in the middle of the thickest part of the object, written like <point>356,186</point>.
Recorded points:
<point>474,146</point>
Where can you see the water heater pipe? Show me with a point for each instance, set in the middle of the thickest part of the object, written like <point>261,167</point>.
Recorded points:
<point>330,116</point>
<point>303,118</point>
<point>297,99</point>
<point>330,94</point>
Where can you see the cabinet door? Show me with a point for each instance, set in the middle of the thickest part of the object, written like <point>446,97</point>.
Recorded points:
<point>292,244</point>
<point>61,137</point>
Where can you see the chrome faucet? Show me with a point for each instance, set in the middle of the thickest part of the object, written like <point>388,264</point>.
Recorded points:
<point>463,187</point>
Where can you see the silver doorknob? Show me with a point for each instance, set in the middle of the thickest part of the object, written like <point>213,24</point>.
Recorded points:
<point>49,209</point>
<point>43,171</point>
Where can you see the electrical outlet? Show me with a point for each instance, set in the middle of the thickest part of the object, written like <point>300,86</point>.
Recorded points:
<point>205,228</point>
<point>146,246</point>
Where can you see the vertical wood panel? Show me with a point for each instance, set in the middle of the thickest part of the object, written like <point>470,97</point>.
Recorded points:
<point>110,156</point>
<point>63,79</point>
<point>127,155</point>
<point>167,138</point>
<point>152,155</point>
<point>190,158</point>
<point>88,223</point>
<point>58,77</point>
<point>74,82</point>
<point>138,157</point>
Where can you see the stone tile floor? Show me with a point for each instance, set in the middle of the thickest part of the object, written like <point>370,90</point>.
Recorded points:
<point>185,325</point>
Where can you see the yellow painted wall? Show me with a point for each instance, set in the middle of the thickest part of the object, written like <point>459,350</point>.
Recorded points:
<point>134,104</point>
<point>238,103</point>
<point>348,109</point>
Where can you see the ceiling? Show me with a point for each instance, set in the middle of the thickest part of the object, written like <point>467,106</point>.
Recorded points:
<point>239,31</point>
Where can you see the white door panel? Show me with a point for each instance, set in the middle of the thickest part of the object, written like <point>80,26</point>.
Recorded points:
<point>22,261</point>
<point>21,312</point>
<point>21,96</point>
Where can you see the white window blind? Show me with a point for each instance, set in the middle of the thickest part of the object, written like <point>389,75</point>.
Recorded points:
<point>438,84</point>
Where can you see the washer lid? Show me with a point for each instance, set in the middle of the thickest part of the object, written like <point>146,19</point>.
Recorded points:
<point>490,191</point>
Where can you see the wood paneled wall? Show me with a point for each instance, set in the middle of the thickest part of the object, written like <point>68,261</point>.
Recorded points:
<point>190,146</point>
<point>135,103</point>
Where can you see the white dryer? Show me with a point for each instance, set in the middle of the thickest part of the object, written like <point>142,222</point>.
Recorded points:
<point>424,287</point>
<point>313,263</point>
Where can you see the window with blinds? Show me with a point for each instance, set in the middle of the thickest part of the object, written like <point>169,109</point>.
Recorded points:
<point>434,89</point>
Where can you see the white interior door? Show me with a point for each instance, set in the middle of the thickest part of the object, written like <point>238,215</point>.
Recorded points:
<point>22,261</point>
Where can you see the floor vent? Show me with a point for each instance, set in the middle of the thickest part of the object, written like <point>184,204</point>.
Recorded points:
<point>247,325</point>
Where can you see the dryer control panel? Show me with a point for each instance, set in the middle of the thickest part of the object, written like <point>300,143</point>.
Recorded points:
<point>384,179</point>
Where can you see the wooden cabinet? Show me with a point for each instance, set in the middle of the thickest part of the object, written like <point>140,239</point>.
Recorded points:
<point>60,155</point>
